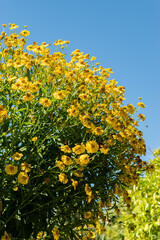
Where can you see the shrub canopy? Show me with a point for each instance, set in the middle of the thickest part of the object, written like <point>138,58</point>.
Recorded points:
<point>67,142</point>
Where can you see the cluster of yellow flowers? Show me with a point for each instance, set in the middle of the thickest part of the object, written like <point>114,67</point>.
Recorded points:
<point>40,84</point>
<point>25,168</point>
<point>3,113</point>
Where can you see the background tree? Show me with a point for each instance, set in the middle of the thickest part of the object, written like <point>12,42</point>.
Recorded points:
<point>141,219</point>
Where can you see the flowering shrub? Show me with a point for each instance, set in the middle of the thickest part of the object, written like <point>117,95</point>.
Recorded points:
<point>68,143</point>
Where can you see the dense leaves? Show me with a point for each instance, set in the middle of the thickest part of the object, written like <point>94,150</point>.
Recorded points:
<point>141,219</point>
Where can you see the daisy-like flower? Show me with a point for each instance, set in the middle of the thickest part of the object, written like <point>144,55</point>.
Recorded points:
<point>73,111</point>
<point>98,131</point>
<point>66,149</point>
<point>59,95</point>
<point>60,165</point>
<point>17,156</point>
<point>11,169</point>
<point>29,47</point>
<point>26,167</point>
<point>141,117</point>
<point>56,233</point>
<point>84,159</point>
<point>87,215</point>
<point>79,149</point>
<point>45,102</point>
<point>16,86</point>
<point>28,97</point>
<point>13,26</point>
<point>93,58</point>
<point>92,147</point>
<point>130,108</point>
<point>84,97</point>
<point>24,33</point>
<point>104,149</point>
<point>89,124</point>
<point>63,178</point>
<point>23,178</point>
<point>141,104</point>
<point>66,160</point>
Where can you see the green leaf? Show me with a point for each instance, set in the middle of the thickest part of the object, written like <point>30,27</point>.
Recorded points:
<point>22,149</point>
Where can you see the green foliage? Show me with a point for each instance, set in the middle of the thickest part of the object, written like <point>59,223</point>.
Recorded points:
<point>142,220</point>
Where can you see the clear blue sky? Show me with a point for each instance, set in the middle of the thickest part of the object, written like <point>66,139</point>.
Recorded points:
<point>122,34</point>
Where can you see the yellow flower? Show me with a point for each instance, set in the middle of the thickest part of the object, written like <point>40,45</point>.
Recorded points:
<point>93,58</point>
<point>41,235</point>
<point>130,108</point>
<point>28,97</point>
<point>79,149</point>
<point>15,189</point>
<point>56,233</point>
<point>73,111</point>
<point>66,160</point>
<point>98,131</point>
<point>66,149</point>
<point>63,178</point>
<point>89,124</point>
<point>11,78</point>
<point>7,236</point>
<point>13,26</point>
<point>23,178</point>
<point>91,235</point>
<point>11,169</point>
<point>45,102</point>
<point>34,139</point>
<point>104,149</point>
<point>74,183</point>
<point>87,215</point>
<point>29,47</point>
<point>88,189</point>
<point>78,174</point>
<point>92,147</point>
<point>16,86</point>
<point>17,156</point>
<point>83,97</point>
<point>141,117</point>
<point>84,159</point>
<point>34,88</point>
<point>26,167</point>
<point>141,105</point>
<point>60,165</point>
<point>59,95</point>
<point>24,33</point>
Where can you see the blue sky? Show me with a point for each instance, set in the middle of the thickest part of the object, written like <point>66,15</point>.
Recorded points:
<point>123,35</point>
